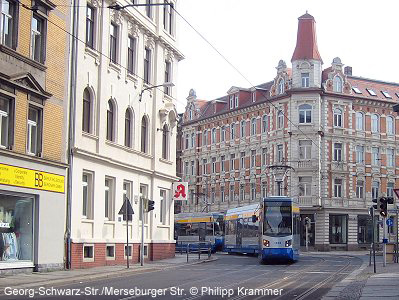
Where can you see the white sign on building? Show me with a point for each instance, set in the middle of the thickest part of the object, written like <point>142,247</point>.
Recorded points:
<point>180,191</point>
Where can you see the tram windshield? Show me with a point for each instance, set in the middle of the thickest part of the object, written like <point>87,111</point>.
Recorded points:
<point>277,219</point>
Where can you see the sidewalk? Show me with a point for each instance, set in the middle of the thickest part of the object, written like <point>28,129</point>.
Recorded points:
<point>24,280</point>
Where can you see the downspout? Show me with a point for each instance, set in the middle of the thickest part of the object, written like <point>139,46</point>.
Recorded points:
<point>71,128</point>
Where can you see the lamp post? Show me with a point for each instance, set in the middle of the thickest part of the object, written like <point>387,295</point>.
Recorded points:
<point>165,84</point>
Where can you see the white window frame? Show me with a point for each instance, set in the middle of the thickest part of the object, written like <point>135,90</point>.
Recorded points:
<point>281,86</point>
<point>242,160</point>
<point>232,160</point>
<point>222,162</point>
<point>265,123</point>
<point>360,189</point>
<point>338,184</point>
<point>390,125</point>
<point>375,156</point>
<point>390,157</point>
<point>359,121</point>
<point>253,126</point>
<point>305,80</point>
<point>213,165</point>
<point>280,119</point>
<point>337,117</point>
<point>375,189</point>
<point>213,136</point>
<point>338,150</point>
<point>360,154</point>
<point>280,153</point>
<point>375,123</point>
<point>233,131</point>
<point>253,158</point>
<point>223,133</point>
<point>305,149</point>
<point>305,186</point>
<point>305,111</point>
<point>264,156</point>
<point>242,128</point>
<point>337,84</point>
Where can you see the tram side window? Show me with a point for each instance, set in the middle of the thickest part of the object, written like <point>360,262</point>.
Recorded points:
<point>194,229</point>
<point>244,228</point>
<point>209,229</point>
<point>218,229</point>
<point>231,228</point>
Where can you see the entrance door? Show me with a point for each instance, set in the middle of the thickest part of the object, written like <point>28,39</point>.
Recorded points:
<point>311,230</point>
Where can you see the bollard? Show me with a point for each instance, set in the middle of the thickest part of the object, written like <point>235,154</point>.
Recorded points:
<point>209,251</point>
<point>199,251</point>
<point>188,250</point>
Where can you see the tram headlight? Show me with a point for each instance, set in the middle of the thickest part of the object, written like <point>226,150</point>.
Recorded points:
<point>266,243</point>
<point>288,243</point>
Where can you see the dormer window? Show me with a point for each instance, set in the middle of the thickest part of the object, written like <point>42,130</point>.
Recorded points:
<point>337,84</point>
<point>253,96</point>
<point>356,90</point>
<point>236,101</point>
<point>386,94</point>
<point>231,102</point>
<point>281,86</point>
<point>305,80</point>
<point>371,92</point>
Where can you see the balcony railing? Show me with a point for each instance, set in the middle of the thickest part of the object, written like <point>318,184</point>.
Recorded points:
<point>307,201</point>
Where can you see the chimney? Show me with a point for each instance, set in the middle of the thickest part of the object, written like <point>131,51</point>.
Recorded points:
<point>306,43</point>
<point>348,70</point>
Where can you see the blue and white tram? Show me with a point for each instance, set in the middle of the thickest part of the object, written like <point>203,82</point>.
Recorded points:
<point>195,228</point>
<point>280,228</point>
<point>241,232</point>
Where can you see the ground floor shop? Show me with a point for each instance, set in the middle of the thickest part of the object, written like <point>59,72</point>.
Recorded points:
<point>32,215</point>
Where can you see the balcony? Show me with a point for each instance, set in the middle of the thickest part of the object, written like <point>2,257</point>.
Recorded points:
<point>306,164</point>
<point>307,201</point>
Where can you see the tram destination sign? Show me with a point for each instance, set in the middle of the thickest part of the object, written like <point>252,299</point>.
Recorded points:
<point>32,179</point>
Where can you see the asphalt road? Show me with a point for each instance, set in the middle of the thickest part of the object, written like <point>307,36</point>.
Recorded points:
<point>230,277</point>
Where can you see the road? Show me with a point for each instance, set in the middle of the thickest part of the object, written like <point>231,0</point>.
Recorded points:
<point>230,277</point>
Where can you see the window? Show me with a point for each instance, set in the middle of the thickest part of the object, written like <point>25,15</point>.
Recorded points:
<point>253,126</point>
<point>148,8</point>
<point>242,129</point>
<point>190,114</point>
<point>242,160</point>
<point>338,188</point>
<point>253,158</point>
<point>108,199</point>
<point>163,219</point>
<point>305,149</point>
<point>128,128</point>
<point>253,96</point>
<point>371,92</point>
<point>386,94</point>
<point>359,121</point>
<point>168,17</point>
<point>144,135</point>
<point>305,186</point>
<point>337,84</point>
<point>6,123</point>
<point>281,86</point>
<point>265,123</point>
<point>375,123</point>
<point>38,39</point>
<point>213,165</point>
<point>131,55</point>
<point>213,136</point>
<point>222,194</point>
<point>305,79</point>
<point>205,137</point>
<point>253,192</point>
<point>165,142</point>
<point>337,152</point>
<point>147,65</point>
<point>213,195</point>
<point>242,193</point>
<point>90,23</point>
<point>360,189</point>
<point>192,167</point>
<point>236,101</point>
<point>110,121</point>
<point>143,195</point>
<point>280,153</point>
<point>113,43</point>
<point>110,252</point>
<point>86,118</point>
<point>356,90</point>
<point>88,253</point>
<point>375,189</point>
<point>8,23</point>
<point>375,156</point>
<point>222,162</point>
<point>186,169</point>
<point>192,140</point>
<point>264,189</point>
<point>232,131</point>
<point>34,130</point>
<point>231,102</point>
<point>186,141</point>
<point>204,162</point>
<point>337,117</point>
<point>223,133</point>
<point>390,157</point>
<point>390,125</point>
<point>264,156</point>
<point>338,229</point>
<point>232,159</point>
<point>360,154</point>
<point>390,187</point>
<point>87,195</point>
<point>305,114</point>
<point>231,192</point>
<point>168,77</point>
<point>280,119</point>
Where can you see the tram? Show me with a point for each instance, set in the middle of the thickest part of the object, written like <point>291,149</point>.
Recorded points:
<point>194,228</point>
<point>269,229</point>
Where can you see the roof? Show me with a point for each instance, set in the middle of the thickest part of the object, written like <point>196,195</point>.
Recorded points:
<point>362,84</point>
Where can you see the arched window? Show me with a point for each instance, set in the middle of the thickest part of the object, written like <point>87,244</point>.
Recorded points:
<point>390,125</point>
<point>110,121</point>
<point>265,123</point>
<point>253,126</point>
<point>242,128</point>
<point>338,117</point>
<point>165,142</point>
<point>375,123</point>
<point>281,86</point>
<point>144,135</point>
<point>337,84</point>
<point>86,116</point>
<point>359,121</point>
<point>305,113</point>
<point>280,119</point>
<point>128,128</point>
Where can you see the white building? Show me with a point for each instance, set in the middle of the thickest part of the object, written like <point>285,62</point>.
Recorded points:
<point>121,145</point>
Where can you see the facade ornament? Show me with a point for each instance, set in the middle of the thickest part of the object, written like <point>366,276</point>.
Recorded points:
<point>116,16</point>
<point>133,28</point>
<point>149,42</point>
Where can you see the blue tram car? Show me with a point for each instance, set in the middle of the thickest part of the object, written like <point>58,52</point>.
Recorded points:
<point>195,228</point>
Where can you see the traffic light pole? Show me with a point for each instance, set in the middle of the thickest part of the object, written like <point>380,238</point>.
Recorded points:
<point>307,238</point>
<point>373,236</point>
<point>127,237</point>
<point>142,232</point>
<point>384,224</point>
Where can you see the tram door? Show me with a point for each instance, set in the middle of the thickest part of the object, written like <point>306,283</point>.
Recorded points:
<point>239,232</point>
<point>202,231</point>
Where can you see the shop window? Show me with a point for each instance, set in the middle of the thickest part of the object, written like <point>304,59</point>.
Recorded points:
<point>88,253</point>
<point>338,229</point>
<point>16,229</point>
<point>364,229</point>
<point>110,252</point>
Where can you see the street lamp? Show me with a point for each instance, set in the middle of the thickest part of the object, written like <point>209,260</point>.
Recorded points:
<point>165,84</point>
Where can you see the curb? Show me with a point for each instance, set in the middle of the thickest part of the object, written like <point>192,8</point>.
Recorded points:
<point>114,274</point>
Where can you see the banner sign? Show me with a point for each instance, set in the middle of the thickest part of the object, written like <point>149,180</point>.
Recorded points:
<point>180,191</point>
<point>31,179</point>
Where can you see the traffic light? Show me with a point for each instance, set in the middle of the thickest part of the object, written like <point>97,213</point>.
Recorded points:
<point>150,206</point>
<point>307,222</point>
<point>375,206</point>
<point>389,200</point>
<point>383,206</point>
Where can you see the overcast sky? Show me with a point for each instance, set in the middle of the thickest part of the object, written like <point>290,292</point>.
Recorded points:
<point>255,34</point>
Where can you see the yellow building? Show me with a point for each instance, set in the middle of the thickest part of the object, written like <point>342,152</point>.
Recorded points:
<point>33,133</point>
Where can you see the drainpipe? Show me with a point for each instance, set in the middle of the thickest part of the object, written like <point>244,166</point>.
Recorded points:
<point>71,128</point>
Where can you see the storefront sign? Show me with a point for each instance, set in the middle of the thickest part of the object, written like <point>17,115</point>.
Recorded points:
<point>4,225</point>
<point>32,179</point>
<point>180,190</point>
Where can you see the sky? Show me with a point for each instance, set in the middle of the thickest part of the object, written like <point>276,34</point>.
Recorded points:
<point>253,35</point>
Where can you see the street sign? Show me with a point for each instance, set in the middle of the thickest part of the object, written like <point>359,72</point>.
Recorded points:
<point>180,190</point>
<point>396,191</point>
<point>390,222</point>
<point>130,211</point>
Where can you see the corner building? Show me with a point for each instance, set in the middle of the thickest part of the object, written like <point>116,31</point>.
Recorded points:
<point>124,142</point>
<point>337,131</point>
